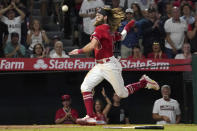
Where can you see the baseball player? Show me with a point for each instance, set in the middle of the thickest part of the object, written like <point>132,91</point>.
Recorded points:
<point>107,67</point>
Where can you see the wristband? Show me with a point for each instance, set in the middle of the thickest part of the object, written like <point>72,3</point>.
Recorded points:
<point>80,51</point>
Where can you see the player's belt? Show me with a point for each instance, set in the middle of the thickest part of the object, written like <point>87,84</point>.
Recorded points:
<point>102,61</point>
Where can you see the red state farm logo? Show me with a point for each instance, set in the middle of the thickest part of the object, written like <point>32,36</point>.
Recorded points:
<point>40,64</point>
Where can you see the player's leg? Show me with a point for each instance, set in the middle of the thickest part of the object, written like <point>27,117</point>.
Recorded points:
<point>112,72</point>
<point>116,80</point>
<point>144,82</point>
<point>114,76</point>
<point>93,78</point>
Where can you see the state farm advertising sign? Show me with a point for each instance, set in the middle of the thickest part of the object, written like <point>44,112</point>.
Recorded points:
<point>84,64</point>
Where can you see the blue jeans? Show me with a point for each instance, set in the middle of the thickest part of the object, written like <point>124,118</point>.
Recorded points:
<point>170,53</point>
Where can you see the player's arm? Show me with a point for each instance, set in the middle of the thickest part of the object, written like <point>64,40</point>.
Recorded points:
<point>88,48</point>
<point>127,29</point>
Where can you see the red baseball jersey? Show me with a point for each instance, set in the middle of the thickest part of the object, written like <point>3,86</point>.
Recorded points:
<point>152,55</point>
<point>106,41</point>
<point>61,113</point>
<point>100,117</point>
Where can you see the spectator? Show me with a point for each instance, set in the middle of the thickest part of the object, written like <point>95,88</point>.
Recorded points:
<point>137,11</point>
<point>186,52</point>
<point>57,8</point>
<point>100,111</point>
<point>151,30</point>
<point>38,51</point>
<point>145,13</point>
<point>132,37</point>
<point>66,17</point>
<point>14,49</point>
<point>166,110</point>
<point>179,3</point>
<point>117,114</point>
<point>54,40</point>
<point>157,52</point>
<point>162,6</point>
<point>192,35</point>
<point>36,35</point>
<point>186,11</point>
<point>52,43</point>
<point>136,53</point>
<point>58,51</point>
<point>66,115</point>
<point>78,23</point>
<point>115,4</point>
<point>3,37</point>
<point>88,13</point>
<point>139,17</point>
<point>166,14</point>
<point>24,25</point>
<point>175,29</point>
<point>13,22</point>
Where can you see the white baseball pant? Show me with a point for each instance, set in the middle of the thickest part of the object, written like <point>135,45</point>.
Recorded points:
<point>111,71</point>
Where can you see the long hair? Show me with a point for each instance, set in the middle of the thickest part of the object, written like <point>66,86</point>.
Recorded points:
<point>100,102</point>
<point>137,14</point>
<point>114,17</point>
<point>32,24</point>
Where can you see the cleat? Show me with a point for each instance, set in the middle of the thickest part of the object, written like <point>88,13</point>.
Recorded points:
<point>87,120</point>
<point>151,84</point>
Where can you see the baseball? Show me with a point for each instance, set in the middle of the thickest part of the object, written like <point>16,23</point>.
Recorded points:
<point>64,8</point>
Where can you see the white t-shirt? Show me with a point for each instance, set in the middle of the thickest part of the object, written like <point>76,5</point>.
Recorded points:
<point>167,108</point>
<point>177,32</point>
<point>55,55</point>
<point>89,7</point>
<point>179,56</point>
<point>35,39</point>
<point>13,26</point>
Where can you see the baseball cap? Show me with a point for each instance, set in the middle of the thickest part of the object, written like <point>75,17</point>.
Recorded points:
<point>129,10</point>
<point>65,97</point>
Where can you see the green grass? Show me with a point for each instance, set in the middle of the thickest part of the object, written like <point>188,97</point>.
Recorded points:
<point>180,127</point>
